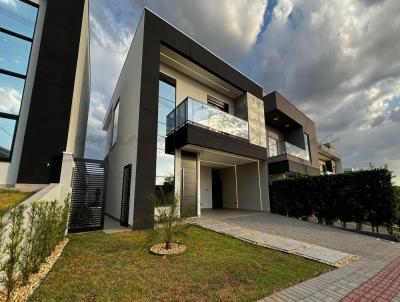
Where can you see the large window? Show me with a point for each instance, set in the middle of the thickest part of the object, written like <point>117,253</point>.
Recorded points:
<point>307,145</point>
<point>272,147</point>
<point>165,169</point>
<point>17,25</point>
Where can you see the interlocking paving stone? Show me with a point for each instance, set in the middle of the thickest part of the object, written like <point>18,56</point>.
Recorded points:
<point>383,286</point>
<point>375,254</point>
<point>288,244</point>
<point>323,253</point>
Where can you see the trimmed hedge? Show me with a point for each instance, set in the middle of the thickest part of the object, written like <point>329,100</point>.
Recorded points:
<point>366,195</point>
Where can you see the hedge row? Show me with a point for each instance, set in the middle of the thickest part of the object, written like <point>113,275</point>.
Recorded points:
<point>360,196</point>
<point>27,239</point>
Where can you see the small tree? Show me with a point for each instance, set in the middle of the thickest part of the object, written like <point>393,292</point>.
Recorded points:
<point>27,258</point>
<point>169,217</point>
<point>13,250</point>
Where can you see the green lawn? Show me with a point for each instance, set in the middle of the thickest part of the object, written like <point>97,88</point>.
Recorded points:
<point>101,267</point>
<point>10,198</point>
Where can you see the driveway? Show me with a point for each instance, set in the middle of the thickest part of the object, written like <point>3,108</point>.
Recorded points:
<point>375,254</point>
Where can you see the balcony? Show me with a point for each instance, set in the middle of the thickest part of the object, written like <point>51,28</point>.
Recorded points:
<point>286,148</point>
<point>191,111</point>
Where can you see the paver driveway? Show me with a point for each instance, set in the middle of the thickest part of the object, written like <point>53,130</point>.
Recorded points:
<point>374,254</point>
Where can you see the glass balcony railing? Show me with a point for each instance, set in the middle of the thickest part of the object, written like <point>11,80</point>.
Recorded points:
<point>204,115</point>
<point>284,147</point>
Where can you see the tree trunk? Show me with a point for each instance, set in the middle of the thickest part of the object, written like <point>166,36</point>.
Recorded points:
<point>167,245</point>
<point>390,229</point>
<point>320,221</point>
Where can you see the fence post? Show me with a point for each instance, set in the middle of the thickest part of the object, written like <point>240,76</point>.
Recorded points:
<point>67,169</point>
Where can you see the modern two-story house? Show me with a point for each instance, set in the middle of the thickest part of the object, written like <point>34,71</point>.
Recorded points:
<point>44,88</point>
<point>183,120</point>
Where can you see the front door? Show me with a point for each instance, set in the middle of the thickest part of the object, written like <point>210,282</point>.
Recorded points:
<point>189,184</point>
<point>217,202</point>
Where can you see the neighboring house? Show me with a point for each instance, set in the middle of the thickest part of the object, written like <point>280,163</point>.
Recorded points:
<point>183,120</point>
<point>44,88</point>
<point>329,160</point>
<point>292,142</point>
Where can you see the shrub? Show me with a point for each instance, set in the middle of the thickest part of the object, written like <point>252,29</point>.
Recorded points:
<point>13,250</point>
<point>169,217</point>
<point>47,227</point>
<point>359,196</point>
<point>27,261</point>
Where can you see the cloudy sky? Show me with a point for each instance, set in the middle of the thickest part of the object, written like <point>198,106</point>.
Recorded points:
<point>338,61</point>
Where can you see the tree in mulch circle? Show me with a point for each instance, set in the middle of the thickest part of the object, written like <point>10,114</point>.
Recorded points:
<point>172,227</point>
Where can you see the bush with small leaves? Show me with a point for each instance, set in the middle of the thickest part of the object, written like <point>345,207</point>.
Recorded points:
<point>169,217</point>
<point>365,195</point>
<point>48,223</point>
<point>13,251</point>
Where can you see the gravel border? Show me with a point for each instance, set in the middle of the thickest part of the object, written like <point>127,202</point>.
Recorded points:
<point>160,250</point>
<point>23,293</point>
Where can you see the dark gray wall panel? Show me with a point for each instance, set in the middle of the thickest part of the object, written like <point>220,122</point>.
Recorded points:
<point>198,136</point>
<point>48,120</point>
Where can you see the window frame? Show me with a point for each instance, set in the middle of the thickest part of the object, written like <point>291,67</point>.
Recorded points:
<point>217,103</point>
<point>113,125</point>
<point>307,145</point>
<point>172,82</point>
<point>18,75</point>
<point>16,119</point>
<point>276,145</point>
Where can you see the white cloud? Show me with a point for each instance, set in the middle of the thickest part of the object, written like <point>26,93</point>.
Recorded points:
<point>10,100</point>
<point>228,27</point>
<point>339,61</point>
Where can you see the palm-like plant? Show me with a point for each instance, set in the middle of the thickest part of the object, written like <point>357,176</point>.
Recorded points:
<point>169,216</point>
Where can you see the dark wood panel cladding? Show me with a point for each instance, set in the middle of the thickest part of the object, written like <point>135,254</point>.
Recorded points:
<point>198,136</point>
<point>189,184</point>
<point>158,32</point>
<point>49,112</point>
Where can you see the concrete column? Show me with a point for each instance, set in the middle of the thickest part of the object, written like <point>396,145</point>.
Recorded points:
<point>67,170</point>
<point>264,186</point>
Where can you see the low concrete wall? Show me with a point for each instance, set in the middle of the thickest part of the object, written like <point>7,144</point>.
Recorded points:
<point>50,192</point>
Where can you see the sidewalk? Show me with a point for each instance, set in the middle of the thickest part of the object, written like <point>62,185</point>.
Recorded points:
<point>374,277</point>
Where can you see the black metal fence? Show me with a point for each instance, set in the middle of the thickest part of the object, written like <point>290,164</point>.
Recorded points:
<point>88,195</point>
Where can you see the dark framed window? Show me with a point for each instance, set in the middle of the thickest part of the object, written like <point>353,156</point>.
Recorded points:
<point>165,166</point>
<point>307,145</point>
<point>115,124</point>
<point>17,27</point>
<point>217,103</point>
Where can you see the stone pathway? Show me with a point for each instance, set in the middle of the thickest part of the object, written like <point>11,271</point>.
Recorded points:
<point>300,248</point>
<point>377,268</point>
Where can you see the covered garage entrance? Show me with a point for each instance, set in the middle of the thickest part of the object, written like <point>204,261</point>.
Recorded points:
<point>223,180</point>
